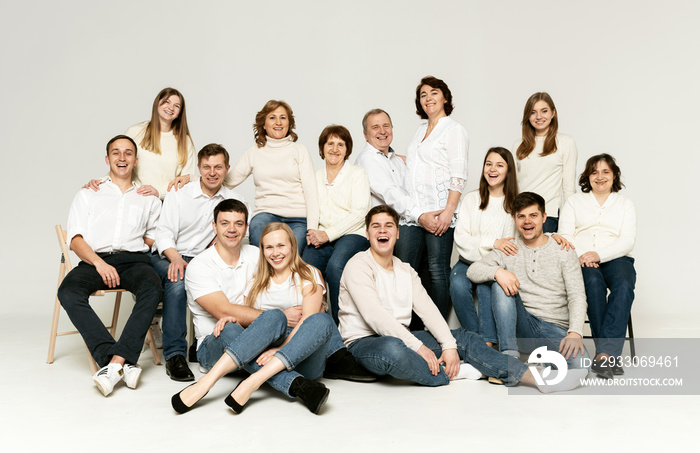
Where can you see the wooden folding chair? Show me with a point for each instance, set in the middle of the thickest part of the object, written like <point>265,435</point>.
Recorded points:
<point>64,268</point>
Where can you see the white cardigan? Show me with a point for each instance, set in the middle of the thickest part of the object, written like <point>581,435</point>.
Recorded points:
<point>610,230</point>
<point>344,203</point>
<point>477,230</point>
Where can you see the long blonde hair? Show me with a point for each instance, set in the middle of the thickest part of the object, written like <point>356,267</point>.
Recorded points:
<point>550,141</point>
<point>151,135</point>
<point>261,280</point>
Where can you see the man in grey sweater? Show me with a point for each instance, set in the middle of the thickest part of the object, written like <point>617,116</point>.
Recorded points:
<point>540,299</point>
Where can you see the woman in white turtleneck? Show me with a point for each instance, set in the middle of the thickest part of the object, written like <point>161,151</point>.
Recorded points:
<point>285,184</point>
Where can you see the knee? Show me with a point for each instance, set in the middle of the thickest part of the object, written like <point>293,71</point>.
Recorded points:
<point>394,350</point>
<point>321,323</point>
<point>499,298</point>
<point>334,269</point>
<point>275,318</point>
<point>593,278</point>
<point>459,281</point>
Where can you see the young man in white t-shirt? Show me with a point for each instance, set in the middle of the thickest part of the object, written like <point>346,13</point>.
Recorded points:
<point>378,292</point>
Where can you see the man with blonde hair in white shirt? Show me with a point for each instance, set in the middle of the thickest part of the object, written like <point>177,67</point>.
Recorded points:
<point>112,231</point>
<point>184,231</point>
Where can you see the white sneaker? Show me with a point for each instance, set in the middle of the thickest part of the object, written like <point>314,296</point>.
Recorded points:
<point>467,371</point>
<point>107,377</point>
<point>132,374</point>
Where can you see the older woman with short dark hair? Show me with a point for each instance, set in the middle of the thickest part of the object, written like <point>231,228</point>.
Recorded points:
<point>602,224</point>
<point>344,199</point>
<point>283,173</point>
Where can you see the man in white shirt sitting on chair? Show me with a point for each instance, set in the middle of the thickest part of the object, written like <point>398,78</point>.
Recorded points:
<point>112,231</point>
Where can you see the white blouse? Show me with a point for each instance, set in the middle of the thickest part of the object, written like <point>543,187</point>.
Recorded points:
<point>286,294</point>
<point>610,229</point>
<point>476,230</point>
<point>436,165</point>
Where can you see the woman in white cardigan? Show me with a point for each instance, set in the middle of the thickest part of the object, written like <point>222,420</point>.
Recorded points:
<point>344,199</point>
<point>285,186</point>
<point>485,223</point>
<point>602,224</point>
<point>165,149</point>
<point>546,159</point>
<point>436,175</point>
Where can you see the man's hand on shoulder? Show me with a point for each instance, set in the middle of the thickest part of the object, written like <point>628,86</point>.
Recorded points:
<point>508,281</point>
<point>570,345</point>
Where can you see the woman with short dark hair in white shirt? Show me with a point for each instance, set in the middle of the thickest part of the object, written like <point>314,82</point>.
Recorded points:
<point>546,159</point>
<point>435,178</point>
<point>344,199</point>
<point>602,224</point>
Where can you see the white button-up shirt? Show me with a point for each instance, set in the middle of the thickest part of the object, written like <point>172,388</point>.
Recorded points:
<point>386,175</point>
<point>109,220</point>
<point>185,221</point>
<point>436,165</point>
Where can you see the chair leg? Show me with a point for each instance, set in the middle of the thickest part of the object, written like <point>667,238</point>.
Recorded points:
<point>631,337</point>
<point>154,350</point>
<point>56,313</point>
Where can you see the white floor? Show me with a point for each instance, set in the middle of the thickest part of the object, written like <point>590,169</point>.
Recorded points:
<point>57,406</point>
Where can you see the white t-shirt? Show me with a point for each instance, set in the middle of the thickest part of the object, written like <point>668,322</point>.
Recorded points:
<point>207,273</point>
<point>286,294</point>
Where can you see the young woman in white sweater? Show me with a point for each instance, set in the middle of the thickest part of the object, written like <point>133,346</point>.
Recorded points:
<point>485,223</point>
<point>285,185</point>
<point>165,149</point>
<point>546,159</point>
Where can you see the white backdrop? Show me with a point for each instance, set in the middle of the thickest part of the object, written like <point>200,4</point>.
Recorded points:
<point>623,75</point>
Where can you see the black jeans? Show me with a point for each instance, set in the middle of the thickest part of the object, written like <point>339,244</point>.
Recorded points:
<point>137,276</point>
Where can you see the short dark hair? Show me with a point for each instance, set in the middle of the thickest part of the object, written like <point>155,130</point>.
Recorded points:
<point>212,149</point>
<point>585,180</point>
<point>338,131</point>
<point>374,112</point>
<point>231,205</point>
<point>527,199</point>
<point>434,82</point>
<point>122,137</point>
<point>381,209</point>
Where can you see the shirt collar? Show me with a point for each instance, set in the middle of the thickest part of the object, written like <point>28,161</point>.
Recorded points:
<point>197,191</point>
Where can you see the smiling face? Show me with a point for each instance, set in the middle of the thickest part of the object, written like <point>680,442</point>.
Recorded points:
<point>541,117</point>
<point>277,123</point>
<point>382,233</point>
<point>230,229</point>
<point>169,108</point>
<point>495,170</point>
<point>121,158</point>
<point>529,222</point>
<point>380,132</point>
<point>213,170</point>
<point>601,178</point>
<point>432,101</point>
<point>335,150</point>
<point>277,249</point>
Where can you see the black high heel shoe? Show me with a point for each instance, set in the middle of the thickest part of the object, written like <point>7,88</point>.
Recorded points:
<point>232,403</point>
<point>181,407</point>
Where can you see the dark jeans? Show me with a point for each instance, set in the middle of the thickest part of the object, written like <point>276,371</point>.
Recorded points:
<point>174,309</point>
<point>414,245</point>
<point>137,276</point>
<point>331,259</point>
<point>260,221</point>
<point>609,315</point>
<point>551,225</point>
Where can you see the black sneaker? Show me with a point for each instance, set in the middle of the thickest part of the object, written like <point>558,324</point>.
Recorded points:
<point>176,367</point>
<point>342,365</point>
<point>313,394</point>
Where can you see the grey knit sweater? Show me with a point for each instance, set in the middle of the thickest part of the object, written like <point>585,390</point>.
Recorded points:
<point>551,283</point>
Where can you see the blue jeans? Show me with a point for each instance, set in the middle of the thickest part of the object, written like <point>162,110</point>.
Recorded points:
<point>174,309</point>
<point>609,316</point>
<point>518,330</point>
<point>389,355</point>
<point>413,245</point>
<point>304,355</point>
<point>551,225</point>
<point>136,276</point>
<point>461,289</point>
<point>260,221</point>
<point>331,259</point>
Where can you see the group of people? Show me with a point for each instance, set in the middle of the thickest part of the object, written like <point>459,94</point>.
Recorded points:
<point>347,274</point>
